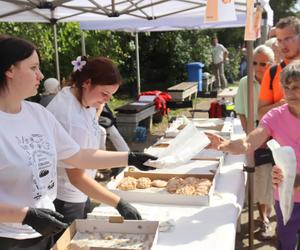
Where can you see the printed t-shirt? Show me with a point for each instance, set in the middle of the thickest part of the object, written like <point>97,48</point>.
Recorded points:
<point>31,143</point>
<point>82,126</point>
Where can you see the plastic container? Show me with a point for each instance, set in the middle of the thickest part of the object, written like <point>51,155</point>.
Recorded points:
<point>194,70</point>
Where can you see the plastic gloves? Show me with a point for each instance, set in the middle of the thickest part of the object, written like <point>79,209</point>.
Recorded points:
<point>128,211</point>
<point>44,221</point>
<point>138,159</point>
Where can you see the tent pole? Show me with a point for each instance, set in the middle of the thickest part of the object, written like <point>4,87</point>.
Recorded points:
<point>137,63</point>
<point>264,28</point>
<point>83,48</point>
<point>56,53</point>
<point>250,127</point>
<point>54,23</point>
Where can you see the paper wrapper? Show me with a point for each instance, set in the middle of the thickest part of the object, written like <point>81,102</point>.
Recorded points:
<point>285,159</point>
<point>188,143</point>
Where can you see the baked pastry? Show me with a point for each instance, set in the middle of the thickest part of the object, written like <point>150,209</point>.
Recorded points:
<point>82,241</point>
<point>191,180</point>
<point>159,183</point>
<point>173,184</point>
<point>127,183</point>
<point>143,182</point>
<point>186,189</point>
<point>201,189</point>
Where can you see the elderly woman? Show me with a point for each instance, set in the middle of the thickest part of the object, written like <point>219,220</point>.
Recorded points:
<point>263,57</point>
<point>283,124</point>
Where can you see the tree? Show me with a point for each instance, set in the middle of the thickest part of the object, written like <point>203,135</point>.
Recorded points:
<point>282,8</point>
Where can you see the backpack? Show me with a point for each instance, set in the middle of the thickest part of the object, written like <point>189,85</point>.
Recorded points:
<point>273,71</point>
<point>217,110</point>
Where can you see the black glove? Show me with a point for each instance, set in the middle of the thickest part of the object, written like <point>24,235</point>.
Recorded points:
<point>115,171</point>
<point>44,221</point>
<point>137,159</point>
<point>127,211</point>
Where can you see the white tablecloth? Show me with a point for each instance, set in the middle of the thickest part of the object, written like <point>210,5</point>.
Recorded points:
<point>207,228</point>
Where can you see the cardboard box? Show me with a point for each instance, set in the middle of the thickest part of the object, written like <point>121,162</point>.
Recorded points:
<point>114,225</point>
<point>161,195</point>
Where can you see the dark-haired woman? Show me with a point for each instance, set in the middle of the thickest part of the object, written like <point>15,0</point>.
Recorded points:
<point>31,142</point>
<point>92,83</point>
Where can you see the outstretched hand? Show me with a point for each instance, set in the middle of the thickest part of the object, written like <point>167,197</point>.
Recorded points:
<point>138,159</point>
<point>219,143</point>
<point>215,140</point>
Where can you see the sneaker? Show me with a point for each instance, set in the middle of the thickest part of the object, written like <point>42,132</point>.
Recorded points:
<point>265,232</point>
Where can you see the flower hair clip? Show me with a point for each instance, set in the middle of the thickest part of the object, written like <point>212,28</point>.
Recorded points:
<point>78,64</point>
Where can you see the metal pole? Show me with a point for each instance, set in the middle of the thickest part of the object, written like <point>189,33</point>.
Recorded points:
<point>83,48</point>
<point>54,23</point>
<point>250,127</point>
<point>264,27</point>
<point>137,63</point>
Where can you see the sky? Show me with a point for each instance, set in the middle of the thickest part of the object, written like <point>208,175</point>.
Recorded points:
<point>297,6</point>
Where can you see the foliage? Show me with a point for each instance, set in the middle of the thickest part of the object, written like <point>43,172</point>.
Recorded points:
<point>282,8</point>
<point>165,54</point>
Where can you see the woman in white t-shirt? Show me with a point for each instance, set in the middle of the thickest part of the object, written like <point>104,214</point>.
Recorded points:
<point>31,142</point>
<point>92,83</point>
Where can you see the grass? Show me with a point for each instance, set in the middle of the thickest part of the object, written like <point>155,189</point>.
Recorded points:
<point>118,101</point>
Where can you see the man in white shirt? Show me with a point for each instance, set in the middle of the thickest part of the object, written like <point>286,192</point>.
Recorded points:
<point>219,54</point>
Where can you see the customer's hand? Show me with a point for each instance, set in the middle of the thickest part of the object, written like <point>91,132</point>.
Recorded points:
<point>215,140</point>
<point>44,221</point>
<point>238,146</point>
<point>138,159</point>
<point>277,176</point>
<point>128,211</point>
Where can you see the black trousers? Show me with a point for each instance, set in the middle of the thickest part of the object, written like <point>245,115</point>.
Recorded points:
<point>40,243</point>
<point>71,211</point>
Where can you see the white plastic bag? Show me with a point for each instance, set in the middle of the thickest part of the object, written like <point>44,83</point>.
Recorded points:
<point>188,143</point>
<point>285,159</point>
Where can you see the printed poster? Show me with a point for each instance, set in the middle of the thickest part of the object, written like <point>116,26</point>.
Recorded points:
<point>253,22</point>
<point>220,11</point>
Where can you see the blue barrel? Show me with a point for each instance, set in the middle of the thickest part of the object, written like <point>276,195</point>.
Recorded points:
<point>194,70</point>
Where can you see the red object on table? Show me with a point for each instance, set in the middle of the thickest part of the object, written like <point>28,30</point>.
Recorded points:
<point>160,101</point>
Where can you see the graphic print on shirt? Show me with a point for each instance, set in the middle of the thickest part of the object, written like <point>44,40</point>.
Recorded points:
<point>41,162</point>
<point>96,129</point>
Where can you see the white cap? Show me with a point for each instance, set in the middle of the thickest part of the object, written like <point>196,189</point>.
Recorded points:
<point>51,86</point>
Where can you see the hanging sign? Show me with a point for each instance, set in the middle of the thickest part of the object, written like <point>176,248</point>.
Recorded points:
<point>220,11</point>
<point>253,21</point>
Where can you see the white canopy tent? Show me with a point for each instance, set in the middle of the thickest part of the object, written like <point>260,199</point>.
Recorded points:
<point>127,15</point>
<point>87,10</point>
<point>168,17</point>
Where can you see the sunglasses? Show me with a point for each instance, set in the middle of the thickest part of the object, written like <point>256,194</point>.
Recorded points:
<point>262,64</point>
